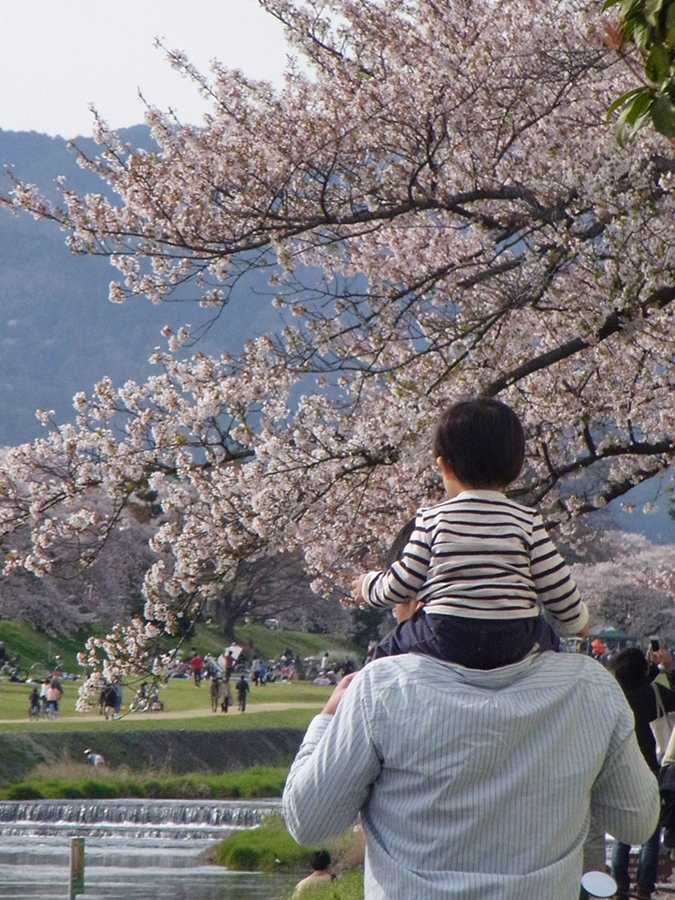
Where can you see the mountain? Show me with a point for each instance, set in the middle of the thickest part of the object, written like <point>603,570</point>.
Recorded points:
<point>59,334</point>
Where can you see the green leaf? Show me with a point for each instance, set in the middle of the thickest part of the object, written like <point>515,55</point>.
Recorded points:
<point>643,36</point>
<point>609,3</point>
<point>630,11</point>
<point>638,107</point>
<point>629,8</point>
<point>669,40</point>
<point>652,8</point>
<point>657,64</point>
<point>663,116</point>
<point>624,98</point>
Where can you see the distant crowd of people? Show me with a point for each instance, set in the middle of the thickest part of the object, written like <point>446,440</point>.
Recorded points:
<point>43,701</point>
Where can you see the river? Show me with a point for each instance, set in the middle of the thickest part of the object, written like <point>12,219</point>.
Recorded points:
<point>143,850</point>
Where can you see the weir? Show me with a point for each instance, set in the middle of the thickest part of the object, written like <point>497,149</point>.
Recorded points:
<point>171,819</point>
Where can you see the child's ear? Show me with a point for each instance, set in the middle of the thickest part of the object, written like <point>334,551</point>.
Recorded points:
<point>446,470</point>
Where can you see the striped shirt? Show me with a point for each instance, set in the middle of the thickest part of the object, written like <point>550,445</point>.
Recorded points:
<point>480,555</point>
<point>474,784</point>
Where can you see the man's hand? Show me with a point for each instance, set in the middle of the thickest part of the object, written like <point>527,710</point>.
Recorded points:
<point>356,588</point>
<point>336,696</point>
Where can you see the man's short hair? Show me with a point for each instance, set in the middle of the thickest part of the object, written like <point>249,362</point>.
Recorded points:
<point>320,860</point>
<point>630,668</point>
<point>482,441</point>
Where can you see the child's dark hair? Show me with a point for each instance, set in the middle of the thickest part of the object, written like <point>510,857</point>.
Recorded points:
<point>482,441</point>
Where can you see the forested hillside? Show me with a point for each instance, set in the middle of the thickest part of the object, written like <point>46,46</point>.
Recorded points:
<point>59,334</point>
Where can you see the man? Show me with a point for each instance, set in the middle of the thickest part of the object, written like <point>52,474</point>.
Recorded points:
<point>636,675</point>
<point>321,874</point>
<point>93,758</point>
<point>196,666</point>
<point>473,784</point>
<point>242,690</point>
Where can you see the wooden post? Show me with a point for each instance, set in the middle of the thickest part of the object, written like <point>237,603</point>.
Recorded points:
<point>76,868</point>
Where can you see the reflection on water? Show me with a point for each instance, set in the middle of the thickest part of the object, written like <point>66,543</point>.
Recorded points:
<point>145,869</point>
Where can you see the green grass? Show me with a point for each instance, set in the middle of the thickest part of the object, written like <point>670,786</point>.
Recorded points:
<point>179,696</point>
<point>269,644</point>
<point>346,887</point>
<point>34,648</point>
<point>75,781</point>
<point>268,848</point>
<point>37,651</point>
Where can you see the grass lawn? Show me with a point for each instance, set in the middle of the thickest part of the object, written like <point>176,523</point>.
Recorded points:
<point>181,701</point>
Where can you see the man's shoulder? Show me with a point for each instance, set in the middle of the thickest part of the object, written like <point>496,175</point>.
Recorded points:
<point>543,669</point>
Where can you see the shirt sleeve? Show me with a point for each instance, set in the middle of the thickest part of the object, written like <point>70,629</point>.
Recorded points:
<point>405,578</point>
<point>556,589</point>
<point>331,776</point>
<point>625,796</point>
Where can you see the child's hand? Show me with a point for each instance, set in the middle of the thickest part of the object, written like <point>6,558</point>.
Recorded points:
<point>356,588</point>
<point>583,634</point>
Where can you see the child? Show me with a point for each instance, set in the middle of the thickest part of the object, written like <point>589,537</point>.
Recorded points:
<point>34,704</point>
<point>479,562</point>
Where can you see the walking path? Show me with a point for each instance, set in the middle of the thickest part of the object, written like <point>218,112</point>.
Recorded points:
<point>251,710</point>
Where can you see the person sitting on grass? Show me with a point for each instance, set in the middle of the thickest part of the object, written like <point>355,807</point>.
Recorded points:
<point>321,874</point>
<point>481,564</point>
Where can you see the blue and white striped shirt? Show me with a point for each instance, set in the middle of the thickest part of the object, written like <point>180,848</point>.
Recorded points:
<point>480,555</point>
<point>474,785</point>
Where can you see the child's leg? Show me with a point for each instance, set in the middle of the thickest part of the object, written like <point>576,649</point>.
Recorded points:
<point>547,639</point>
<point>406,637</point>
<point>480,643</point>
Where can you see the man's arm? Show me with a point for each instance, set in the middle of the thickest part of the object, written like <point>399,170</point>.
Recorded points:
<point>625,796</point>
<point>331,776</point>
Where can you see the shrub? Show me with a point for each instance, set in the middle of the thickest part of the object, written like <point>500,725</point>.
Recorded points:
<point>67,792</point>
<point>269,847</point>
<point>99,790</point>
<point>24,792</point>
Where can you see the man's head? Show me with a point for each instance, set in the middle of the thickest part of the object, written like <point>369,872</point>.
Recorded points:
<point>630,668</point>
<point>320,860</point>
<point>481,442</point>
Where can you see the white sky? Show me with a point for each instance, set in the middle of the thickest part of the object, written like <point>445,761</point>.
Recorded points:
<point>58,56</point>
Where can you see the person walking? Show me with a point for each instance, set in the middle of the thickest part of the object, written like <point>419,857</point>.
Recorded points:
<point>225,695</point>
<point>196,667</point>
<point>242,690</point>
<point>214,692</point>
<point>636,676</point>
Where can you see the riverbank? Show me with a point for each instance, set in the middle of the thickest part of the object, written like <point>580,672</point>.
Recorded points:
<point>167,751</point>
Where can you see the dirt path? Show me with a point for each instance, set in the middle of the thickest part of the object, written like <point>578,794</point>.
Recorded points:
<point>168,715</point>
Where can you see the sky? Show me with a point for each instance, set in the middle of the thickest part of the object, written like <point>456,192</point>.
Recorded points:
<point>59,56</point>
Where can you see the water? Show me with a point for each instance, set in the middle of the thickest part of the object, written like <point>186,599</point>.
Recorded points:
<point>195,820</point>
<point>126,860</point>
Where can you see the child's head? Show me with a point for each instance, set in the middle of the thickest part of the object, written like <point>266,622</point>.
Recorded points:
<point>482,442</point>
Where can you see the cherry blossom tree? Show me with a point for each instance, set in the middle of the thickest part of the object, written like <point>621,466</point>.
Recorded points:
<point>442,209</point>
